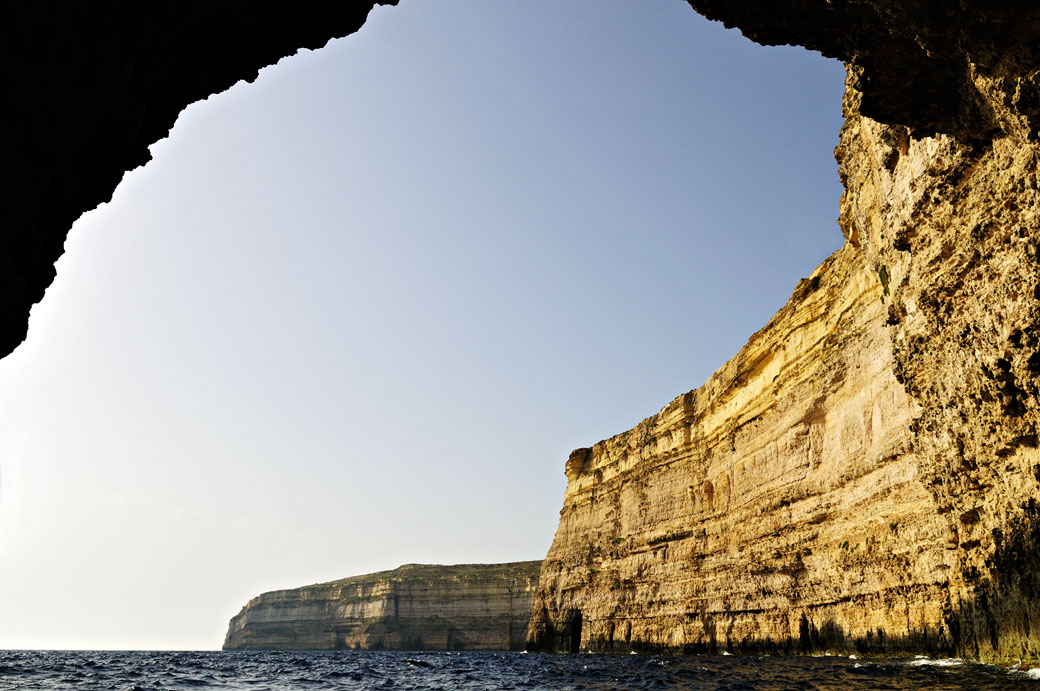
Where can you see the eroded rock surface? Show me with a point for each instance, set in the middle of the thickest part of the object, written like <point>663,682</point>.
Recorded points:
<point>414,607</point>
<point>863,475</point>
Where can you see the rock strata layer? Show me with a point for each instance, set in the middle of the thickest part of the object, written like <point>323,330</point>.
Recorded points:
<point>414,607</point>
<point>864,474</point>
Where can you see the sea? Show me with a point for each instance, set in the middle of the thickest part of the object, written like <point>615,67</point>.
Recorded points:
<point>274,671</point>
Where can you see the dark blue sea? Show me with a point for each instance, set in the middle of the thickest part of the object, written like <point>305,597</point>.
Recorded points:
<point>427,670</point>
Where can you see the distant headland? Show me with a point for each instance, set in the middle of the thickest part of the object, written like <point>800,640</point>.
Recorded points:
<point>413,607</point>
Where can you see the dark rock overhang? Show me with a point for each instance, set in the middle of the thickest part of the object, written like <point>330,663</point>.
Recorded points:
<point>90,85</point>
<point>917,63</point>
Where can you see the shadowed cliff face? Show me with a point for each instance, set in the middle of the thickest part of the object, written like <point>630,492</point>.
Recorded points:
<point>89,86</point>
<point>414,607</point>
<point>969,68</point>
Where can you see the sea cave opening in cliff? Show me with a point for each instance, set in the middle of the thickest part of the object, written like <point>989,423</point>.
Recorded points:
<point>357,313</point>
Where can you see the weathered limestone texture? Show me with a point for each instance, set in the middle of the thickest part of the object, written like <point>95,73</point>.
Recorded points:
<point>780,501</point>
<point>864,474</point>
<point>414,607</point>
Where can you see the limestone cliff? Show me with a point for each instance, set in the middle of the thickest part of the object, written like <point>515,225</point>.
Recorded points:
<point>414,607</point>
<point>864,474</point>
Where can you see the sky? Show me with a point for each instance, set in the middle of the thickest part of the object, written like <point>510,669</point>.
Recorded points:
<point>357,313</point>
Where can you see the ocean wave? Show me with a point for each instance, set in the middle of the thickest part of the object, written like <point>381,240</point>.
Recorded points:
<point>477,671</point>
<point>921,661</point>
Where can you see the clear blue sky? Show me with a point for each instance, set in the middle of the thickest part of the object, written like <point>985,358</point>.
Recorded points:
<point>356,314</point>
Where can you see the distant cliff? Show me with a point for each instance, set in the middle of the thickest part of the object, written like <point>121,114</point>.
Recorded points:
<point>414,607</point>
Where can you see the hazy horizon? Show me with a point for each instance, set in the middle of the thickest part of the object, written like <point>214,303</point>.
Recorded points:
<point>357,313</point>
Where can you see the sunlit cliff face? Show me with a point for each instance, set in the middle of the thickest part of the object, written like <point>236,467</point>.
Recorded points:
<point>862,476</point>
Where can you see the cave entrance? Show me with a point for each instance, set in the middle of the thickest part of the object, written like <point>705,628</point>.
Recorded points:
<point>573,635</point>
<point>392,241</point>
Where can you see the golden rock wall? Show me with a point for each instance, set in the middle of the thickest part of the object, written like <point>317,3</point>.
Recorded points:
<point>862,475</point>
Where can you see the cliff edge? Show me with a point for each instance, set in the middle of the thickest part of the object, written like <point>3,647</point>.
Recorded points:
<point>413,607</point>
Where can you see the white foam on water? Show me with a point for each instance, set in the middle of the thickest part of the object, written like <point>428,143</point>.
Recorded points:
<point>1033,673</point>
<point>921,661</point>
